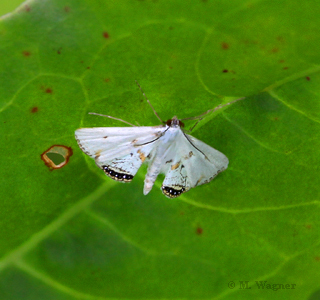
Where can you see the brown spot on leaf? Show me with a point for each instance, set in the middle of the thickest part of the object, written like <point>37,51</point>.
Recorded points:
<point>225,46</point>
<point>199,231</point>
<point>281,61</point>
<point>55,154</point>
<point>275,50</point>
<point>285,68</point>
<point>106,35</point>
<point>67,9</point>
<point>27,8</point>
<point>280,39</point>
<point>317,258</point>
<point>47,90</point>
<point>225,71</point>
<point>106,79</point>
<point>34,109</point>
<point>308,78</point>
<point>26,53</point>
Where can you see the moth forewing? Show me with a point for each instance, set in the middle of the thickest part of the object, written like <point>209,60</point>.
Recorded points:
<point>194,163</point>
<point>117,151</point>
<point>215,157</point>
<point>206,166</point>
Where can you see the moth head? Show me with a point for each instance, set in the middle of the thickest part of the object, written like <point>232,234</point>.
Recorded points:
<point>175,122</point>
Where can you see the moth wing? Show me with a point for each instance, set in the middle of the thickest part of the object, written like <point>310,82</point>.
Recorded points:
<point>194,163</point>
<point>212,162</point>
<point>119,151</point>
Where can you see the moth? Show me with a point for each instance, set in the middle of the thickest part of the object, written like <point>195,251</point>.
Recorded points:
<point>186,161</point>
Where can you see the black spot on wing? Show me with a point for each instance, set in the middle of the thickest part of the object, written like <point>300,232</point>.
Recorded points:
<point>173,192</point>
<point>117,174</point>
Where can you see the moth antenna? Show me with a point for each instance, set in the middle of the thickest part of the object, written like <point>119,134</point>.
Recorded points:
<point>92,113</point>
<point>200,117</point>
<point>154,111</point>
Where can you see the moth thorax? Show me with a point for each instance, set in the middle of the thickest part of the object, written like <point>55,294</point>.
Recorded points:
<point>175,122</point>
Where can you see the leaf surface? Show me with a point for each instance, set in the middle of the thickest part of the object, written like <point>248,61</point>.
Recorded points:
<point>73,233</point>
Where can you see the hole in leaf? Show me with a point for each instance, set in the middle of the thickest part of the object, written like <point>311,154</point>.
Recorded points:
<point>57,156</point>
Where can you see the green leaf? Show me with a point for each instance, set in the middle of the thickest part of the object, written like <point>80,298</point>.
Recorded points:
<point>8,6</point>
<point>73,233</point>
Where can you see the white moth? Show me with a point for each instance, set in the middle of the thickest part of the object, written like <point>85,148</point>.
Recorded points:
<point>186,161</point>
